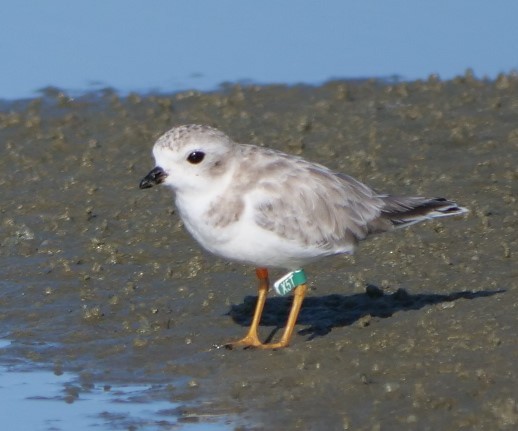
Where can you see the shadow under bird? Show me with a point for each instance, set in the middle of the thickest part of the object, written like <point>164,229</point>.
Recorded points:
<point>265,208</point>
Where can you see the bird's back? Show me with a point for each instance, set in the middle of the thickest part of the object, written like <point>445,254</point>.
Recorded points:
<point>308,203</point>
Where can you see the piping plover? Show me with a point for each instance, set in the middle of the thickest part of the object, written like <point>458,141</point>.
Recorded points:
<point>265,208</point>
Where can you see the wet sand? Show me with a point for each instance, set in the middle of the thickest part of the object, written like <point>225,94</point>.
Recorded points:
<point>416,331</point>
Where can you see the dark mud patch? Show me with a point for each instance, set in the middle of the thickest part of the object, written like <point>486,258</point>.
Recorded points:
<point>99,277</point>
<point>320,314</point>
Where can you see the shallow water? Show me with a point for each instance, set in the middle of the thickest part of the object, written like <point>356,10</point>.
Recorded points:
<point>33,399</point>
<point>416,331</point>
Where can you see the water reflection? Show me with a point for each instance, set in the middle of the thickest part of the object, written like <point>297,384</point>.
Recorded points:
<point>43,401</point>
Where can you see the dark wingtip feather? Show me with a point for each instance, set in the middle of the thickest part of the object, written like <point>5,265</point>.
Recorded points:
<point>402,211</point>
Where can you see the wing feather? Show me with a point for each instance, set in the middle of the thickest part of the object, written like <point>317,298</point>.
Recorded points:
<point>310,204</point>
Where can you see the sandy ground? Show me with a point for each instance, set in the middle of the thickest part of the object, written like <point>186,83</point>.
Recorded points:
<point>416,331</point>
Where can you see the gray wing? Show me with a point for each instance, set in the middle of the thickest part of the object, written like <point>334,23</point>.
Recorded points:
<point>309,203</point>
<point>312,205</point>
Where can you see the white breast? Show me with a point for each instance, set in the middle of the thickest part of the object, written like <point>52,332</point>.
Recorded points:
<point>243,240</point>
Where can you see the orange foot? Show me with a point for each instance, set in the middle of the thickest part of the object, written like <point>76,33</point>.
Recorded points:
<point>249,341</point>
<point>254,343</point>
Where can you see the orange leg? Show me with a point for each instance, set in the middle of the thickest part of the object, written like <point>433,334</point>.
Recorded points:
<point>298,297</point>
<point>251,339</point>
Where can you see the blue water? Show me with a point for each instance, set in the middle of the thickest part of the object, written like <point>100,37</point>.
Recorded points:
<point>171,46</point>
<point>38,400</point>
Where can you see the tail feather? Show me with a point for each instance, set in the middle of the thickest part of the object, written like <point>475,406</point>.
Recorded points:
<point>404,211</point>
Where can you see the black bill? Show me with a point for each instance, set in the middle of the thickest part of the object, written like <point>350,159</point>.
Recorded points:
<point>156,176</point>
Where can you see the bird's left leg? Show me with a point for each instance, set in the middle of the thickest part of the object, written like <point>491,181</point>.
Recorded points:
<point>251,339</point>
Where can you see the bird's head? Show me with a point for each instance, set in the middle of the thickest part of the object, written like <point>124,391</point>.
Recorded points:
<point>190,158</point>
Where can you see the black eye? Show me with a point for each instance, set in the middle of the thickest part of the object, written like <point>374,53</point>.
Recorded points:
<point>195,157</point>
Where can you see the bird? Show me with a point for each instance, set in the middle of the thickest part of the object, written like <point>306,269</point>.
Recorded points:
<point>262,207</point>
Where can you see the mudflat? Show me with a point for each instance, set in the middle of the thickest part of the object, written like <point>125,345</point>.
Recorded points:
<point>415,331</point>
